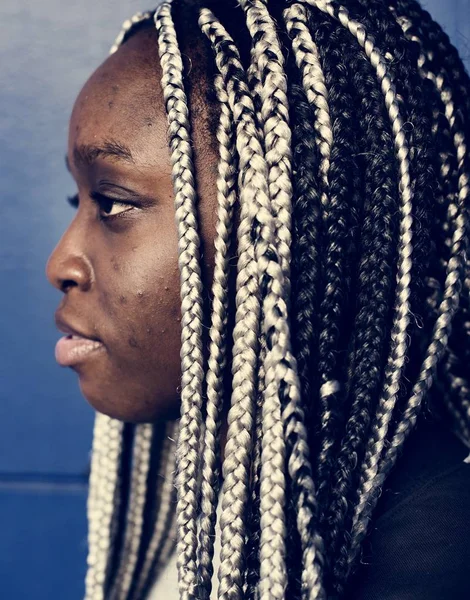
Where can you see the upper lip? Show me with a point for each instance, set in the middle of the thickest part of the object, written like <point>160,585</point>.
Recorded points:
<point>65,327</point>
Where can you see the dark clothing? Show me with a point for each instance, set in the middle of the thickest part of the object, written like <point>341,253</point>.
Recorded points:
<point>419,546</point>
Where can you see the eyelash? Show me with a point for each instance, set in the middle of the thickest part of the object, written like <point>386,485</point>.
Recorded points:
<point>102,201</point>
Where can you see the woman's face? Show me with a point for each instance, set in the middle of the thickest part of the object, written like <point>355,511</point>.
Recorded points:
<point>116,264</point>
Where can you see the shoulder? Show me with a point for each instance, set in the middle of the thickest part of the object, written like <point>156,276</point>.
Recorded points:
<point>419,546</point>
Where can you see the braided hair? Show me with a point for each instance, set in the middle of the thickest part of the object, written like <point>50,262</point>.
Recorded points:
<point>343,190</point>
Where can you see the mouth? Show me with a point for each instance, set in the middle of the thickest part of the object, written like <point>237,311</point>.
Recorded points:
<point>74,347</point>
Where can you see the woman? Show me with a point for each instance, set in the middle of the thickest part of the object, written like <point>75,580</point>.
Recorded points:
<point>315,156</point>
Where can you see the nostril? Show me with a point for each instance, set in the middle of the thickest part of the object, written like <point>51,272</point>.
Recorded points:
<point>67,284</point>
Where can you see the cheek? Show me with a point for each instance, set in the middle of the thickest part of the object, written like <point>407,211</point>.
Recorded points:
<point>141,316</point>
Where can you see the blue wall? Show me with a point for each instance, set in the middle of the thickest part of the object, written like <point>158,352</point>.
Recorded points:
<point>45,427</point>
<point>48,49</point>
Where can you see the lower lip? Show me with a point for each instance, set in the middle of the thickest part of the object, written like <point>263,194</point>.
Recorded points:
<point>70,350</point>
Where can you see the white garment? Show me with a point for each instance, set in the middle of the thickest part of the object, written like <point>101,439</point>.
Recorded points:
<point>166,586</point>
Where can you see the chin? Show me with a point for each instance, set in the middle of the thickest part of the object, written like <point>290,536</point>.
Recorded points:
<point>129,408</point>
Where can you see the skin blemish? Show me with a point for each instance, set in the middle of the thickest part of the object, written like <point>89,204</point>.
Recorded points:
<point>122,299</point>
<point>114,263</point>
<point>133,343</point>
<point>110,104</point>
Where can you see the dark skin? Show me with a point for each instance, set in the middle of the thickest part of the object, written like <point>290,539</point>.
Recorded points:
<point>117,262</point>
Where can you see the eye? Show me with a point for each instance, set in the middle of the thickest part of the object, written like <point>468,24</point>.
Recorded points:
<point>108,207</point>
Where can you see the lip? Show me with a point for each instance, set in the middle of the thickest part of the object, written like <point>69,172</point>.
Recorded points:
<point>75,346</point>
<point>65,327</point>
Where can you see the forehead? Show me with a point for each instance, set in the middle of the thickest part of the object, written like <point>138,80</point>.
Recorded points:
<point>123,100</point>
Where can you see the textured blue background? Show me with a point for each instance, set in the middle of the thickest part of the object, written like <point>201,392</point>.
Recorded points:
<point>47,51</point>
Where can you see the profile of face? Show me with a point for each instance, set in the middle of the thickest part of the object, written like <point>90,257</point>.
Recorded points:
<point>117,263</point>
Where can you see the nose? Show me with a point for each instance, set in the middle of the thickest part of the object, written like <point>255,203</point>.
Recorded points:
<point>68,266</point>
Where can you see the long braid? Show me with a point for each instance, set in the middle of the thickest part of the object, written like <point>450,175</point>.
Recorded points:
<point>135,512</point>
<point>442,57</point>
<point>455,272</point>
<point>308,61</point>
<point>103,502</point>
<point>373,454</point>
<point>306,268</point>
<point>452,369</point>
<point>191,300</point>
<point>418,103</point>
<point>227,193</point>
<point>440,338</point>
<point>253,535</point>
<point>252,184</point>
<point>307,226</point>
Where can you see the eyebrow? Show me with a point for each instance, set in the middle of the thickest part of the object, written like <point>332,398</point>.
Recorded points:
<point>86,154</point>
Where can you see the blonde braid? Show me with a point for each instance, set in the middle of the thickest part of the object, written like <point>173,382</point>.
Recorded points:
<point>127,27</point>
<point>103,502</point>
<point>253,192</point>
<point>227,195</point>
<point>253,513</point>
<point>135,512</point>
<point>188,459</point>
<point>308,61</point>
